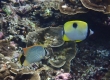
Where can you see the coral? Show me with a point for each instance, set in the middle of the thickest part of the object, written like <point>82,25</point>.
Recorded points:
<point>39,71</point>
<point>98,5</point>
<point>10,70</point>
<point>5,48</point>
<point>36,76</point>
<point>7,9</point>
<point>22,9</point>
<point>17,1</point>
<point>63,56</point>
<point>91,63</point>
<point>1,35</point>
<point>51,37</point>
<point>57,63</point>
<point>72,9</point>
<point>88,4</point>
<point>9,78</point>
<point>60,58</point>
<point>24,23</point>
<point>70,54</point>
<point>58,74</point>
<point>52,4</point>
<point>63,76</point>
<point>36,36</point>
<point>65,52</point>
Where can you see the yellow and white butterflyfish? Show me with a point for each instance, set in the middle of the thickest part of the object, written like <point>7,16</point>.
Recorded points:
<point>76,31</point>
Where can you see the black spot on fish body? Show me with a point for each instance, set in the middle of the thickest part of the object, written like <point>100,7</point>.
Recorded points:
<point>22,58</point>
<point>75,25</point>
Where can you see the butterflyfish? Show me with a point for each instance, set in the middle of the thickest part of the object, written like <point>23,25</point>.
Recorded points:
<point>76,31</point>
<point>32,54</point>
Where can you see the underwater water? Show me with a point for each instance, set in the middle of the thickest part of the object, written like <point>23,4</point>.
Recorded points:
<point>54,40</point>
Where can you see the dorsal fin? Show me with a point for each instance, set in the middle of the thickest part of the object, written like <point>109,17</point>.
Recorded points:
<point>27,48</point>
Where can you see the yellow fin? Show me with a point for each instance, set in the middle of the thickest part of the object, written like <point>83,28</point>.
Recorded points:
<point>19,58</point>
<point>78,40</point>
<point>26,63</point>
<point>65,38</point>
<point>27,48</point>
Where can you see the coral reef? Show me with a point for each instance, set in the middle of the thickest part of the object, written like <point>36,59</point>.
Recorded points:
<point>25,23</point>
<point>98,5</point>
<point>64,76</point>
<point>95,62</point>
<point>88,4</point>
<point>11,59</point>
<point>72,8</point>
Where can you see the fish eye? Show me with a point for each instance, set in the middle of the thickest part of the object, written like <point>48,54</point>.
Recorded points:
<point>75,25</point>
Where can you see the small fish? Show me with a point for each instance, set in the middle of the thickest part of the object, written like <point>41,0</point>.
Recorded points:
<point>76,31</point>
<point>32,54</point>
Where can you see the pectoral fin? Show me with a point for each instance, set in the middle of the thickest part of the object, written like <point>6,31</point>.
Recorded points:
<point>27,48</point>
<point>65,38</point>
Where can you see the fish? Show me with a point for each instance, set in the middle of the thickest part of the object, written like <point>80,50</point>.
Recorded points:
<point>76,30</point>
<point>32,54</point>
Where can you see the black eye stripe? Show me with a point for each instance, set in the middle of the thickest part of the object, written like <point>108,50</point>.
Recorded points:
<point>22,58</point>
<point>75,25</point>
<point>63,31</point>
<point>45,51</point>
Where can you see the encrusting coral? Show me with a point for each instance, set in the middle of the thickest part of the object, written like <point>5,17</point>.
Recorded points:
<point>88,4</point>
<point>72,9</point>
<point>74,6</point>
<point>97,5</point>
<point>57,63</point>
<point>63,56</point>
